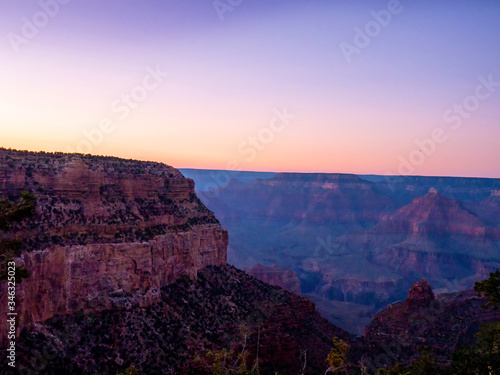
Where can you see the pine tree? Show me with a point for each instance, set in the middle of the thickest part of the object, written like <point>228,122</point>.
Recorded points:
<point>490,288</point>
<point>337,359</point>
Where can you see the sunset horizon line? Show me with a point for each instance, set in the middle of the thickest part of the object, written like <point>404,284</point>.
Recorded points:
<point>235,171</point>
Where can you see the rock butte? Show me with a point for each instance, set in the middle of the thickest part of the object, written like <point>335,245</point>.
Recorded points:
<point>107,232</point>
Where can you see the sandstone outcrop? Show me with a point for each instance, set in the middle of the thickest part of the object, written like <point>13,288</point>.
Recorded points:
<point>106,233</point>
<point>420,293</point>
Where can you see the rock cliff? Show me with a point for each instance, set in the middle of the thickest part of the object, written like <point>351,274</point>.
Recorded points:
<point>420,293</point>
<point>433,237</point>
<point>324,198</point>
<point>356,243</point>
<point>106,233</point>
<point>279,276</point>
<point>214,311</point>
<point>440,323</point>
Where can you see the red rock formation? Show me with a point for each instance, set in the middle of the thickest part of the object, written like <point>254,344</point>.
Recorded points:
<point>315,198</point>
<point>107,232</point>
<point>347,240</point>
<point>214,311</point>
<point>279,276</point>
<point>433,213</point>
<point>420,293</point>
<point>432,237</point>
<point>439,323</point>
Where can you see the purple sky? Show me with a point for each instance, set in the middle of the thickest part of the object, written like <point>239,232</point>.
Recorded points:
<point>278,85</point>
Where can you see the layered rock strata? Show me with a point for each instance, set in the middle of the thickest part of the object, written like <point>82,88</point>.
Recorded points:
<point>106,232</point>
<point>440,324</point>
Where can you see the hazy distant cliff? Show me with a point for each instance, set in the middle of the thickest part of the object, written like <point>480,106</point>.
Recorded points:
<point>358,244</point>
<point>106,232</point>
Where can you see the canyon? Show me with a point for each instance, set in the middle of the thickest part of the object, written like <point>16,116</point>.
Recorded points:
<point>105,233</point>
<point>358,243</point>
<point>440,323</point>
<point>128,267</point>
<point>223,308</point>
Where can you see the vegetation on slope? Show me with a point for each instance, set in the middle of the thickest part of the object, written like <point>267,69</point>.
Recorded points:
<point>11,212</point>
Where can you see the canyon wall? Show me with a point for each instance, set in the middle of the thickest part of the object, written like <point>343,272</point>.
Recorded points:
<point>106,232</point>
<point>439,323</point>
<point>222,308</point>
<point>357,243</point>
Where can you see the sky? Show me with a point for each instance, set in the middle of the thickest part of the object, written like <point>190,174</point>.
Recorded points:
<point>366,87</point>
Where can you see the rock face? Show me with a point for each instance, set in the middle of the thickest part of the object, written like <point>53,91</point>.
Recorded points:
<point>310,197</point>
<point>433,237</point>
<point>214,311</point>
<point>420,293</point>
<point>106,232</point>
<point>432,214</point>
<point>488,209</point>
<point>439,323</point>
<point>361,241</point>
<point>279,276</point>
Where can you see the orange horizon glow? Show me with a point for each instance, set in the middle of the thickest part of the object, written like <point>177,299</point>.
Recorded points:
<point>182,165</point>
<point>197,93</point>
